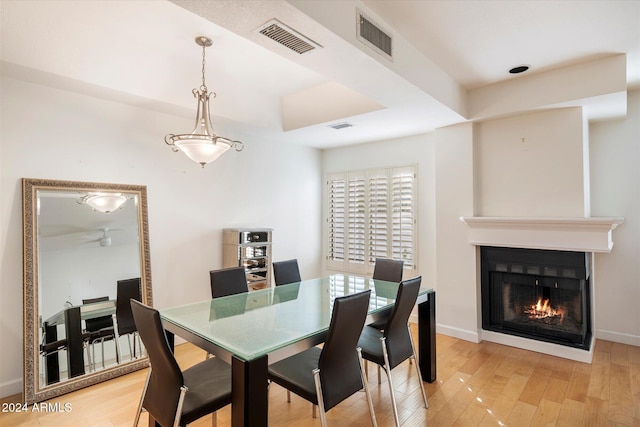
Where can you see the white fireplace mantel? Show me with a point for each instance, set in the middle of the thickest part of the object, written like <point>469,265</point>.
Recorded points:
<point>593,234</point>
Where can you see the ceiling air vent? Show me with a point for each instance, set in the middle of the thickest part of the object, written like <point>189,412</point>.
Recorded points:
<point>341,125</point>
<point>287,36</point>
<point>370,34</point>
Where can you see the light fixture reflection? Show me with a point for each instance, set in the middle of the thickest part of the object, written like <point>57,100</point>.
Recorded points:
<point>103,202</point>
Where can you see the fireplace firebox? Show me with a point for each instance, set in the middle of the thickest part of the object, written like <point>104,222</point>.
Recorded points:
<point>537,294</point>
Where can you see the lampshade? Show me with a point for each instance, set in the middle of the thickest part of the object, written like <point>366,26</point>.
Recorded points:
<point>104,202</point>
<point>202,145</point>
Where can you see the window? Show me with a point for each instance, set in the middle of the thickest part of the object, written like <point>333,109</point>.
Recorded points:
<point>371,214</point>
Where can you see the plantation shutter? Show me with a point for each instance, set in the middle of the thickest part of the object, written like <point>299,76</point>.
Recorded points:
<point>403,216</point>
<point>336,221</point>
<point>356,222</point>
<point>371,215</point>
<point>379,223</point>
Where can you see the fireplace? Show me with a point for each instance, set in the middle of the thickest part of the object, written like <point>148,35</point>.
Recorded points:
<point>537,294</point>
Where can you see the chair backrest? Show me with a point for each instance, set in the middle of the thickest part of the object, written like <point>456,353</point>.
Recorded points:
<point>127,289</point>
<point>228,281</point>
<point>396,331</point>
<point>97,323</point>
<point>286,272</point>
<point>340,372</point>
<point>388,269</point>
<point>163,390</point>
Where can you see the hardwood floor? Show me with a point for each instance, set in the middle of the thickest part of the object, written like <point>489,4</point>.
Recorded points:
<point>482,384</point>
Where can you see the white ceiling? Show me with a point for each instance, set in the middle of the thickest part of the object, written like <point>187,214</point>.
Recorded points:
<point>143,53</point>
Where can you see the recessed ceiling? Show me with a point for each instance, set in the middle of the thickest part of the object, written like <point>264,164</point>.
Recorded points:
<point>144,53</point>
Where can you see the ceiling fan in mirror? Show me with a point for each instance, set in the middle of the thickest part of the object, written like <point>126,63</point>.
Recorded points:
<point>103,240</point>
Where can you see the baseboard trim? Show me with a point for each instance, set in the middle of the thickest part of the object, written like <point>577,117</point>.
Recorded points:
<point>9,388</point>
<point>618,337</point>
<point>462,334</point>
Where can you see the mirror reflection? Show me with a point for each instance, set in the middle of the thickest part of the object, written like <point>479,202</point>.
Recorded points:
<point>90,256</point>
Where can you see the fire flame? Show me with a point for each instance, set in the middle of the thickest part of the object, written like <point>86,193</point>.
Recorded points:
<point>543,309</point>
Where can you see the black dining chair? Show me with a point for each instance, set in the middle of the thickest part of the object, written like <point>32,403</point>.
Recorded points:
<point>388,269</point>
<point>126,290</point>
<point>393,345</point>
<point>327,376</point>
<point>228,281</point>
<point>99,330</point>
<point>286,272</point>
<point>391,271</point>
<point>171,396</point>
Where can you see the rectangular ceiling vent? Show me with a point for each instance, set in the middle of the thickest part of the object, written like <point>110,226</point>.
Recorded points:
<point>341,125</point>
<point>370,34</point>
<point>287,36</point>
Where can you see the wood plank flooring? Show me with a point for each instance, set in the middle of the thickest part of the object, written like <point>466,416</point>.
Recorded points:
<point>482,384</point>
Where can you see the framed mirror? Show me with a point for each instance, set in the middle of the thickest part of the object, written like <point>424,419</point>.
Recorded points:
<point>86,252</point>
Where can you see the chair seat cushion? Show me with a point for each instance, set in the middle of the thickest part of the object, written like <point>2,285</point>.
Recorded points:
<point>295,373</point>
<point>102,334</point>
<point>209,384</point>
<point>371,345</point>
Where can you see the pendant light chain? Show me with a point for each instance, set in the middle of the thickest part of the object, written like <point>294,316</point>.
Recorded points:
<point>204,85</point>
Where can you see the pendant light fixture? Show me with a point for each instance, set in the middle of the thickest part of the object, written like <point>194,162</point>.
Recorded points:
<point>202,145</point>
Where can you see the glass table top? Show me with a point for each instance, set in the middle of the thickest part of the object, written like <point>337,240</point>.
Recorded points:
<point>87,311</point>
<point>253,324</point>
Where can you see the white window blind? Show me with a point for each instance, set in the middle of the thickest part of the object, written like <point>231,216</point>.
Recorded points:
<point>372,214</point>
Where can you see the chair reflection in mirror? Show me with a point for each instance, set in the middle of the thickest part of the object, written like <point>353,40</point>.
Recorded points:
<point>49,354</point>
<point>98,330</point>
<point>124,323</point>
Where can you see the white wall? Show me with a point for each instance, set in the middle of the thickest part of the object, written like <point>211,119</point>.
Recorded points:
<point>456,290</point>
<point>531,165</point>
<point>78,273</point>
<point>615,191</point>
<point>415,150</point>
<point>49,133</point>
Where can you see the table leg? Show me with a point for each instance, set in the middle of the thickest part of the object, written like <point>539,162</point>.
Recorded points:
<point>52,360</point>
<point>75,342</point>
<point>249,401</point>
<point>427,337</point>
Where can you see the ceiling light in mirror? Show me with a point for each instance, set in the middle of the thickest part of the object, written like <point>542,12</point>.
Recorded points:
<point>103,202</point>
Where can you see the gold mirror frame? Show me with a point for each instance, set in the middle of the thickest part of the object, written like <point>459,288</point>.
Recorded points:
<point>33,391</point>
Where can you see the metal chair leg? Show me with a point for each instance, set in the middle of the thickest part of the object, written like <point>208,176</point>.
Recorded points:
<point>424,394</point>
<point>116,337</point>
<point>144,391</point>
<point>366,389</point>
<point>387,370</point>
<point>131,355</point>
<point>316,379</point>
<point>102,347</point>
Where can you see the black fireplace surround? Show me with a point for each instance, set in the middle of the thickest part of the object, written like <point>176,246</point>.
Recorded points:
<point>537,294</point>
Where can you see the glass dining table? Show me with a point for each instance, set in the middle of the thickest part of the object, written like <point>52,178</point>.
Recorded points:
<point>252,330</point>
